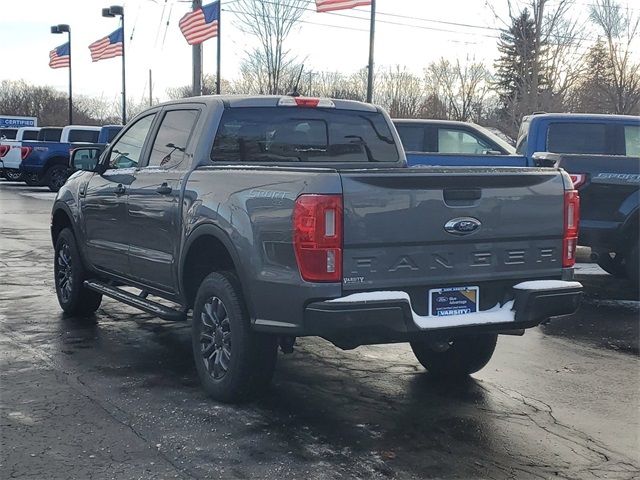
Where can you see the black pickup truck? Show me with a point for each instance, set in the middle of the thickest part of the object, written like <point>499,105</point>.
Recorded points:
<point>275,217</point>
<point>609,207</point>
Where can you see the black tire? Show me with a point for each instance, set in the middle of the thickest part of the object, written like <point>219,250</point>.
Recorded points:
<point>56,177</point>
<point>13,175</point>
<point>460,356</point>
<point>632,265</point>
<point>69,277</point>
<point>32,179</point>
<point>614,265</point>
<point>234,363</point>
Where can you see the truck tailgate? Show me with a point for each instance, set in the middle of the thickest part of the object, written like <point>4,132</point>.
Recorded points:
<point>505,224</point>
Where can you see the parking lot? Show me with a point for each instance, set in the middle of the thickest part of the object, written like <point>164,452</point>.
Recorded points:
<point>118,396</point>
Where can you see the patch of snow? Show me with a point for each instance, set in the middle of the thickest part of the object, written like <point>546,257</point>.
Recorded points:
<point>497,314</point>
<point>546,285</point>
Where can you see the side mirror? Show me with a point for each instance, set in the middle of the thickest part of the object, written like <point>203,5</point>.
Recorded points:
<point>85,159</point>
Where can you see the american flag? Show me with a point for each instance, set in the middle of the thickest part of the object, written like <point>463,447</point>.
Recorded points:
<point>201,24</point>
<point>329,5</point>
<point>60,56</point>
<point>108,47</point>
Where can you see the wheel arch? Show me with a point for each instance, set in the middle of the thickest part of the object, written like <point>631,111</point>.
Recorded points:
<point>61,218</point>
<point>207,249</point>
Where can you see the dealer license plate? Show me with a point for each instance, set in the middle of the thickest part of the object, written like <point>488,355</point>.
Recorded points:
<point>453,301</point>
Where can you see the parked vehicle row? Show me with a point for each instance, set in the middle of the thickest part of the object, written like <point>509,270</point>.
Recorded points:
<point>225,206</point>
<point>40,156</point>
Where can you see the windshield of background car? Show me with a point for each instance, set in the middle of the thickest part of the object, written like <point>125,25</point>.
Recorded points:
<point>290,134</point>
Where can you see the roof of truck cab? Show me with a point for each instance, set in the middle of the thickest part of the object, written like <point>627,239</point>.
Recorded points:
<point>234,101</point>
<point>582,116</point>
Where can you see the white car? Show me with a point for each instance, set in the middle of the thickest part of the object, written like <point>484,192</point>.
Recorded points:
<point>11,152</point>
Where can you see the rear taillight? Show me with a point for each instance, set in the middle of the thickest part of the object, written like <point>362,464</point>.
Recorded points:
<point>4,149</point>
<point>578,179</point>
<point>571,225</point>
<point>317,237</point>
<point>24,152</point>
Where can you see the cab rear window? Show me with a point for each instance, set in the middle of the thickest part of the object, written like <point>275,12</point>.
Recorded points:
<point>289,134</point>
<point>84,136</point>
<point>586,138</point>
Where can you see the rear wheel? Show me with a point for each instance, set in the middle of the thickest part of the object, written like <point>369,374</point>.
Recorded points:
<point>234,363</point>
<point>456,357</point>
<point>612,263</point>
<point>13,175</point>
<point>56,177</point>
<point>69,273</point>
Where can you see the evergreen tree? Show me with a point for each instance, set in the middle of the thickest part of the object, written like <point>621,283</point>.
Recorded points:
<point>594,92</point>
<point>515,69</point>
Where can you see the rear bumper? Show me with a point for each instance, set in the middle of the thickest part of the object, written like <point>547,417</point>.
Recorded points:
<point>385,320</point>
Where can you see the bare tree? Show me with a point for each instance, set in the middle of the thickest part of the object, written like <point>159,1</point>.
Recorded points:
<point>271,23</point>
<point>619,27</point>
<point>400,92</point>
<point>461,88</point>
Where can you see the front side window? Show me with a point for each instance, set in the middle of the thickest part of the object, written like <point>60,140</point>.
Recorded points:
<point>412,137</point>
<point>459,141</point>
<point>632,140</point>
<point>290,134</point>
<point>585,138</point>
<point>171,141</point>
<point>127,150</point>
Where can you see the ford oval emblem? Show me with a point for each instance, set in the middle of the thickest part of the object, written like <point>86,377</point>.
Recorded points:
<point>462,225</point>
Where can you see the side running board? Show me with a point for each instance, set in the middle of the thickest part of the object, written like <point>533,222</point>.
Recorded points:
<point>154,308</point>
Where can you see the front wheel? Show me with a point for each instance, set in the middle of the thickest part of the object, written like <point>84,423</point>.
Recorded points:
<point>69,276</point>
<point>456,357</point>
<point>233,362</point>
<point>32,179</point>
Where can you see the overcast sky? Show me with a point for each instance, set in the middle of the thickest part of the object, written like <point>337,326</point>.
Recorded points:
<point>409,32</point>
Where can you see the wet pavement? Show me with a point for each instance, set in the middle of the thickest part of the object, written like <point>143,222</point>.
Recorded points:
<point>116,395</point>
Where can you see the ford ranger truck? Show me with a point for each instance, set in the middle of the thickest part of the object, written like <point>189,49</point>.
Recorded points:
<point>261,219</point>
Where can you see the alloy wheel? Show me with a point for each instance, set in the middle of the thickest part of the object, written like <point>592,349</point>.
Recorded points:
<point>215,338</point>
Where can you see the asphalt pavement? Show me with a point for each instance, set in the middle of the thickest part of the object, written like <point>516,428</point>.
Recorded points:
<point>116,395</point>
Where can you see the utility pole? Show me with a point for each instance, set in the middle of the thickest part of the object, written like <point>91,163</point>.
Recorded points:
<point>197,59</point>
<point>372,35</point>
<point>150,89</point>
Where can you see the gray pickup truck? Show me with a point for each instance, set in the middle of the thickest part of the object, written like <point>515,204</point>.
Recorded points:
<point>275,217</point>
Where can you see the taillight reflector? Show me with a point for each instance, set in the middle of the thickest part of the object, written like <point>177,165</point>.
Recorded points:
<point>317,237</point>
<point>24,152</point>
<point>578,179</point>
<point>571,227</point>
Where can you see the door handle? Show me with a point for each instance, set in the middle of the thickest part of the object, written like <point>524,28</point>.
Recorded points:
<point>120,190</point>
<point>164,189</point>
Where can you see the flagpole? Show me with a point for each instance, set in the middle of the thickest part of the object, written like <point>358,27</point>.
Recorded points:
<point>124,82</point>
<point>219,46</point>
<point>197,59</point>
<point>372,33</point>
<point>70,87</point>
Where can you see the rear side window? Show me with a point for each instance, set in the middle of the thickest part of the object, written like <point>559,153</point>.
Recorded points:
<point>587,138</point>
<point>412,137</point>
<point>30,135</point>
<point>290,134</point>
<point>632,140</point>
<point>49,134</point>
<point>83,136</point>
<point>8,133</point>
<point>173,135</point>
